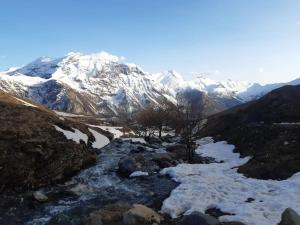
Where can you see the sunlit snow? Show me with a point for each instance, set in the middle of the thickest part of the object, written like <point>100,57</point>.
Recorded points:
<point>76,136</point>
<point>218,185</point>
<point>100,141</point>
<point>25,103</point>
<point>138,174</point>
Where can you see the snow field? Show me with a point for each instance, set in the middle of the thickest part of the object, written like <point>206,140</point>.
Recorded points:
<point>204,186</point>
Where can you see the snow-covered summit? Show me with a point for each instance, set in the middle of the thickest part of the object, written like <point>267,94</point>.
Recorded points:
<point>222,88</point>
<point>108,81</point>
<point>86,83</point>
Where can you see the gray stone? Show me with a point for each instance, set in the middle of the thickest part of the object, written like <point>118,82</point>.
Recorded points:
<point>141,215</point>
<point>289,217</point>
<point>197,218</point>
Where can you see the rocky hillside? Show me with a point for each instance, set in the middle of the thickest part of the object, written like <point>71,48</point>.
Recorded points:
<point>38,147</point>
<point>267,129</point>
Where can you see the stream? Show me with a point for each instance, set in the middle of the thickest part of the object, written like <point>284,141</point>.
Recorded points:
<point>96,187</point>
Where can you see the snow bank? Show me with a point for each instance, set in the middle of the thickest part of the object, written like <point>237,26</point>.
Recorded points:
<point>140,140</point>
<point>25,103</point>
<point>205,186</point>
<point>101,140</point>
<point>76,136</point>
<point>68,114</point>
<point>114,130</point>
<point>138,174</point>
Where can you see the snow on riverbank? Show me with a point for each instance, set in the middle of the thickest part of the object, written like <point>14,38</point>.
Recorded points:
<point>116,131</point>
<point>100,141</point>
<point>76,136</point>
<point>138,140</point>
<point>205,186</point>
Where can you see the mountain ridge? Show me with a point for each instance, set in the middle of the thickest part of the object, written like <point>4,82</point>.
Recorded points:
<point>104,84</point>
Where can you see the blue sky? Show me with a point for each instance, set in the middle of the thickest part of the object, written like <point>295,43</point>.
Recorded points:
<point>254,40</point>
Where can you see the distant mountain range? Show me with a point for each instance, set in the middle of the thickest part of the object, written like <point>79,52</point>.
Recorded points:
<point>102,84</point>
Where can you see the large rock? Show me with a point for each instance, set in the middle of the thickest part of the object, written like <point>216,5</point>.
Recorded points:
<point>111,214</point>
<point>289,217</point>
<point>137,162</point>
<point>164,160</point>
<point>180,152</point>
<point>197,218</point>
<point>121,213</point>
<point>141,215</point>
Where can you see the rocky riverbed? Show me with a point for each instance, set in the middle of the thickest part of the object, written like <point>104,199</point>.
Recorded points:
<point>95,187</point>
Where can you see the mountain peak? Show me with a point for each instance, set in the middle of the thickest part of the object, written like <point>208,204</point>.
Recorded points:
<point>102,56</point>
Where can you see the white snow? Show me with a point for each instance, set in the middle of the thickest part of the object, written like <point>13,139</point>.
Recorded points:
<point>25,103</point>
<point>76,136</point>
<point>114,130</point>
<point>287,123</point>
<point>112,80</point>
<point>141,140</point>
<point>138,174</point>
<point>204,186</point>
<point>100,141</point>
<point>67,114</point>
<point>20,78</point>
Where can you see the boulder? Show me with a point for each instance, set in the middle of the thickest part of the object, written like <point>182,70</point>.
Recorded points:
<point>111,214</point>
<point>179,151</point>
<point>128,164</point>
<point>289,217</point>
<point>164,160</point>
<point>153,140</point>
<point>137,162</point>
<point>141,215</point>
<point>197,218</point>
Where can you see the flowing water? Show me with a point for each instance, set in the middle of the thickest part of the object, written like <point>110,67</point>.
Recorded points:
<point>97,186</point>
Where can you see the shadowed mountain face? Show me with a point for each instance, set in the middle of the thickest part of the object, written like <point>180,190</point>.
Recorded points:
<point>267,129</point>
<point>201,103</point>
<point>33,152</point>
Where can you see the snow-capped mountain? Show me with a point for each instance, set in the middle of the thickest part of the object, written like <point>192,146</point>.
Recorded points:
<point>89,84</point>
<point>104,84</point>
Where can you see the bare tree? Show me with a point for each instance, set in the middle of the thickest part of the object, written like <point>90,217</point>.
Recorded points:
<point>146,120</point>
<point>155,118</point>
<point>188,116</point>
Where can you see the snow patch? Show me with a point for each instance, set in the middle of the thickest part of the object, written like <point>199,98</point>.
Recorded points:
<point>218,185</point>
<point>138,174</point>
<point>76,136</point>
<point>140,140</point>
<point>101,140</point>
<point>67,114</point>
<point>114,130</point>
<point>25,103</point>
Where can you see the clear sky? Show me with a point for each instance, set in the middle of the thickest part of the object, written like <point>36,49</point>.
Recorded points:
<point>254,40</point>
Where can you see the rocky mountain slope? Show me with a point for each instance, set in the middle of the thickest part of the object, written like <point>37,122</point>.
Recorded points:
<point>85,84</point>
<point>267,129</point>
<point>39,147</point>
<point>103,84</point>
